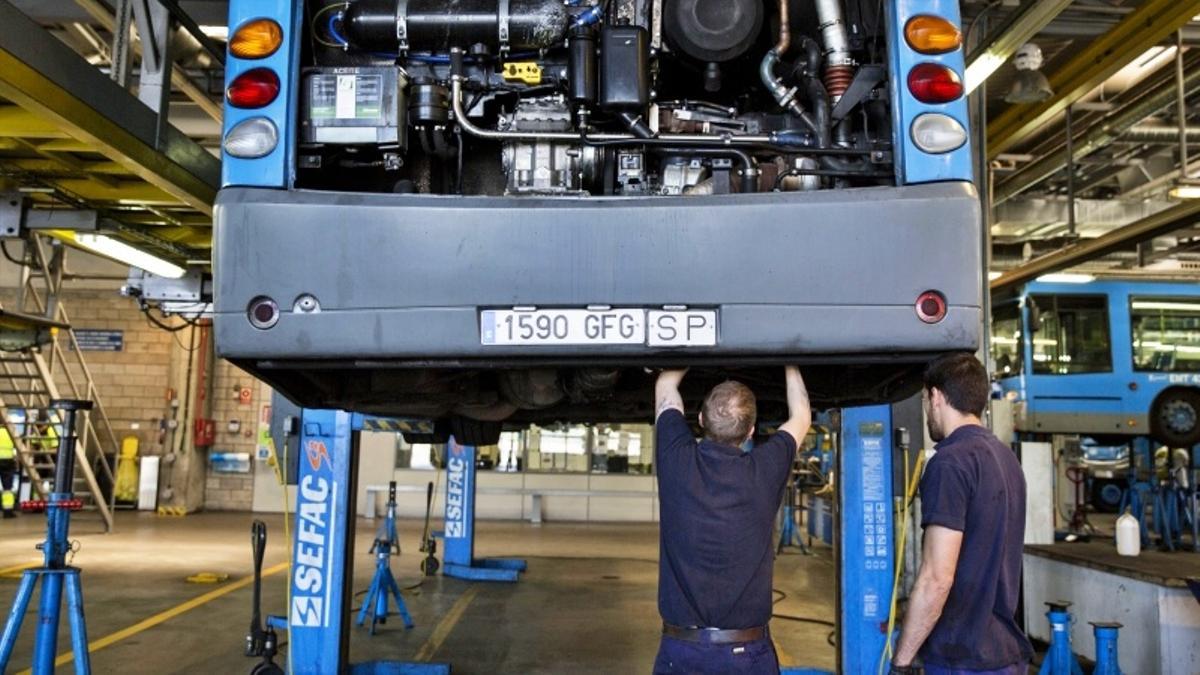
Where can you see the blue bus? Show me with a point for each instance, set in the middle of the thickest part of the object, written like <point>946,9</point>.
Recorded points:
<point>1117,357</point>
<point>502,211</point>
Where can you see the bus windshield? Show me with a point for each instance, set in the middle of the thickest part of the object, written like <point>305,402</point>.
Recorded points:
<point>1071,334</point>
<point>1007,351</point>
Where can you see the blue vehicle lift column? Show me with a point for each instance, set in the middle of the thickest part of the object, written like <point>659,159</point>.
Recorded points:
<point>459,557</point>
<point>864,546</point>
<point>323,545</point>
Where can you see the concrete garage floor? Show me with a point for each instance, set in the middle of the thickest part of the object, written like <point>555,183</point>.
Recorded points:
<point>586,605</point>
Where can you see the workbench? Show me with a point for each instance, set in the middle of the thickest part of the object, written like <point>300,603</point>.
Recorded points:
<point>1148,594</point>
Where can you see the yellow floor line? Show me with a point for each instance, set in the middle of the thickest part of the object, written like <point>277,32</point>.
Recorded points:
<point>15,571</point>
<point>785,659</point>
<point>113,638</point>
<point>442,630</point>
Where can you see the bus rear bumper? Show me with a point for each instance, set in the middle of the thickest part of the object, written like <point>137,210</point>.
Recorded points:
<point>403,278</point>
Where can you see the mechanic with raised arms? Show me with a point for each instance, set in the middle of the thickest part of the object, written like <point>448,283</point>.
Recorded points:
<point>717,508</point>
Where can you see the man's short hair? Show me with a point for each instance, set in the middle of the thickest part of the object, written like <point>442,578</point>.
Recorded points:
<point>729,413</point>
<point>963,381</point>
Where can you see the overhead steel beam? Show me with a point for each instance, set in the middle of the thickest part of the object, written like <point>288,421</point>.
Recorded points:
<point>1099,135</point>
<point>1185,214</point>
<point>1146,26</point>
<point>102,15</point>
<point>1007,38</point>
<point>44,76</point>
<point>1090,213</point>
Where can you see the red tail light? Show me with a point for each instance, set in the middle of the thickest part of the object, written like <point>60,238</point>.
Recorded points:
<point>931,307</point>
<point>253,89</point>
<point>934,83</point>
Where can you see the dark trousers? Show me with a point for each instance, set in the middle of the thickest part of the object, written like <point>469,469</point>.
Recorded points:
<point>8,481</point>
<point>678,656</point>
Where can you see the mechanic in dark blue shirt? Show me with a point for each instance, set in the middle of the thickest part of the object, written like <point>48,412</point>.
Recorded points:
<point>717,507</point>
<point>961,615</point>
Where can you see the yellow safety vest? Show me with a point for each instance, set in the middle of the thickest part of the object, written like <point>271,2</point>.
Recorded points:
<point>49,440</point>
<point>7,449</point>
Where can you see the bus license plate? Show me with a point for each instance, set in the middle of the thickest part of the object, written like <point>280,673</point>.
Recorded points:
<point>655,328</point>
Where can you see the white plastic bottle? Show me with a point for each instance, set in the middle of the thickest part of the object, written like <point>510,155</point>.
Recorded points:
<point>1129,535</point>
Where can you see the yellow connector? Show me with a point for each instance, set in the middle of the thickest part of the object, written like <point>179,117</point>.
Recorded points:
<point>527,72</point>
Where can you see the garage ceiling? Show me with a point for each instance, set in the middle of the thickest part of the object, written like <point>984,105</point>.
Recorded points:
<point>1124,172</point>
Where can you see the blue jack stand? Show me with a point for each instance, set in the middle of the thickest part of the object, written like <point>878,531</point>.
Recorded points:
<point>459,559</point>
<point>54,573</point>
<point>789,531</point>
<point>384,584</point>
<point>1141,489</point>
<point>1060,660</point>
<point>1106,648</point>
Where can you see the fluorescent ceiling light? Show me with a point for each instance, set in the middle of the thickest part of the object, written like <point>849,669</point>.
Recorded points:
<point>1168,306</point>
<point>122,252</point>
<point>981,69</point>
<point>215,32</point>
<point>1184,192</point>
<point>992,276</point>
<point>1066,278</point>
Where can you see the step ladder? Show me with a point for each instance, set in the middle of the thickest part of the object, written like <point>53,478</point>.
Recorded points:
<point>40,361</point>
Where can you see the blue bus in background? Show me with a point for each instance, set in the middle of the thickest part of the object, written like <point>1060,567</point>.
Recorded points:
<point>1102,358</point>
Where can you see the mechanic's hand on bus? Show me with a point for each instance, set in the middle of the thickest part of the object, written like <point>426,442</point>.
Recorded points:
<point>672,376</point>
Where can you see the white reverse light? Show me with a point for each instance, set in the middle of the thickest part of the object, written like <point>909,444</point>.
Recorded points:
<point>1066,278</point>
<point>120,251</point>
<point>251,138</point>
<point>936,133</point>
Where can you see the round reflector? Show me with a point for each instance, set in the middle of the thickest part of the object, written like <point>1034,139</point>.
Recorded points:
<point>251,138</point>
<point>932,34</point>
<point>263,312</point>
<point>931,307</point>
<point>934,83</point>
<point>253,89</point>
<point>256,39</point>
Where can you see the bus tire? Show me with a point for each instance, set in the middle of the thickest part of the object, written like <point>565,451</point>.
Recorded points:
<point>467,431</point>
<point>1175,418</point>
<point>438,437</point>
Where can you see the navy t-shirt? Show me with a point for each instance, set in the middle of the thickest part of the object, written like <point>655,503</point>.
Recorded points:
<point>717,507</point>
<point>974,484</point>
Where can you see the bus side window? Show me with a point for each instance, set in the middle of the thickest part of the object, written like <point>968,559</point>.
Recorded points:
<point>1165,333</point>
<point>1073,336</point>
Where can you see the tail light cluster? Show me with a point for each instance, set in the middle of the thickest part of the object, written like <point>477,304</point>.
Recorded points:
<point>253,89</point>
<point>935,83</point>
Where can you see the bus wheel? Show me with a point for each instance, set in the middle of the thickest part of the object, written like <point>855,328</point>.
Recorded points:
<point>1106,496</point>
<point>1175,419</point>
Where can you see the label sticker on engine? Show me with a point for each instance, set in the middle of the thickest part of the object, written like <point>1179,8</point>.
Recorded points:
<point>347,88</point>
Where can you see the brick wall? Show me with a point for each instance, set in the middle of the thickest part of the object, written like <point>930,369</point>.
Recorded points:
<point>224,491</point>
<point>133,383</point>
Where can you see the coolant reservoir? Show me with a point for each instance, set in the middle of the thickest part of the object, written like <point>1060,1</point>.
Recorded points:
<point>1129,535</point>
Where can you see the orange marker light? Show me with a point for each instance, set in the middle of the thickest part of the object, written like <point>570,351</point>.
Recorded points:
<point>256,39</point>
<point>932,34</point>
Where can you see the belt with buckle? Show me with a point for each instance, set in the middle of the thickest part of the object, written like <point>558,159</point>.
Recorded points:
<point>715,636</point>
